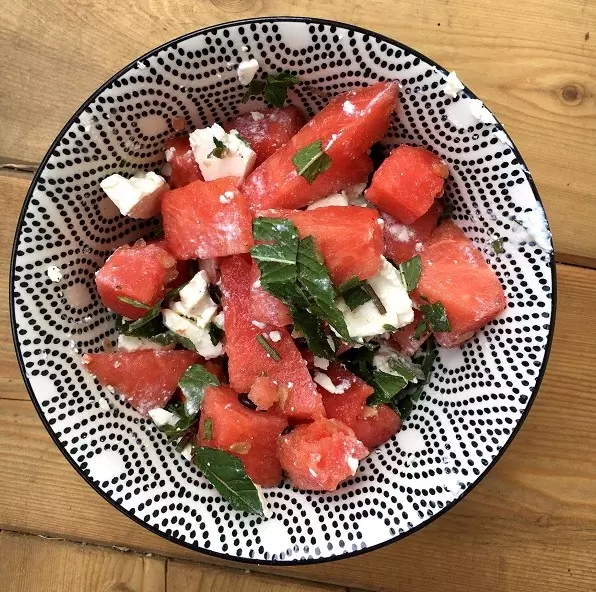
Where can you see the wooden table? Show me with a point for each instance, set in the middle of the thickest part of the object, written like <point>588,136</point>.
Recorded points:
<point>531,523</point>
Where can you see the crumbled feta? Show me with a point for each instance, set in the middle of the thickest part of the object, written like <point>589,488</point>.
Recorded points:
<point>324,381</point>
<point>198,335</point>
<point>137,197</point>
<point>226,197</point>
<point>246,71</point>
<point>532,227</point>
<point>397,231</point>
<point>275,336</point>
<point>127,343</point>
<point>237,161</point>
<point>218,320</point>
<point>257,115</point>
<point>195,300</point>
<point>170,153</point>
<point>480,112</point>
<point>259,325</point>
<point>321,363</point>
<point>54,274</point>
<point>186,452</point>
<point>162,417</point>
<point>366,320</point>
<point>335,199</point>
<point>452,85</point>
<point>353,464</point>
<point>502,137</point>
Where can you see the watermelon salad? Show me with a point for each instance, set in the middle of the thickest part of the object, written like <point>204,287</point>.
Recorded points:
<point>282,319</point>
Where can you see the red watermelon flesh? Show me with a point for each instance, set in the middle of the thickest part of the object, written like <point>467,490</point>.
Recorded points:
<point>266,308</point>
<point>455,273</point>
<point>404,241</point>
<point>404,340</point>
<point>247,359</point>
<point>207,219</point>
<point>185,168</point>
<point>140,272</point>
<point>145,378</point>
<point>267,130</point>
<point>371,425</point>
<point>264,393</point>
<point>347,127</point>
<point>407,183</point>
<point>249,435</point>
<point>318,456</point>
<point>349,237</point>
<point>182,267</point>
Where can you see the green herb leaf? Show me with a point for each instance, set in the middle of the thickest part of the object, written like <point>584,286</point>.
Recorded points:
<point>386,387</point>
<point>374,297</point>
<point>227,474</point>
<point>448,209</point>
<point>255,88</point>
<point>174,292</point>
<point>276,89</point>
<point>208,429</point>
<point>353,293</point>
<point>182,426</point>
<point>390,328</point>
<point>215,333</point>
<point>497,246</point>
<point>193,384</point>
<point>311,161</point>
<point>410,271</point>
<point>268,348</point>
<point>421,328</point>
<point>132,328</point>
<point>220,149</point>
<point>436,317</point>
<point>133,302</point>
<point>314,333</point>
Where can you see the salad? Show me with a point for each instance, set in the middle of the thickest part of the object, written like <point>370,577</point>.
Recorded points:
<point>282,318</point>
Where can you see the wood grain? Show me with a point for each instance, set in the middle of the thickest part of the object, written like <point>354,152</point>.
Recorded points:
<point>30,564</point>
<point>535,66</point>
<point>530,524</point>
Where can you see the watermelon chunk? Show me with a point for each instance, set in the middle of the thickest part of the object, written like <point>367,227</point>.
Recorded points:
<point>145,378</point>
<point>267,130</point>
<point>318,456</point>
<point>404,241</point>
<point>349,237</point>
<point>249,435</point>
<point>455,273</point>
<point>264,393</point>
<point>247,359</point>
<point>407,183</point>
<point>140,272</point>
<point>403,339</point>
<point>348,126</point>
<point>206,219</point>
<point>265,307</point>
<point>185,168</point>
<point>182,267</point>
<point>371,425</point>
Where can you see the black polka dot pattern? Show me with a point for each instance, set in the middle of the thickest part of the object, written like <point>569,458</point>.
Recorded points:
<point>476,397</point>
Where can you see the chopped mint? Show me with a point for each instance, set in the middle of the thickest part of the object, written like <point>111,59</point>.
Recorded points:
<point>208,429</point>
<point>274,88</point>
<point>497,246</point>
<point>215,333</point>
<point>410,271</point>
<point>421,328</point>
<point>193,384</point>
<point>436,317</point>
<point>268,348</point>
<point>220,149</point>
<point>311,161</point>
<point>133,302</point>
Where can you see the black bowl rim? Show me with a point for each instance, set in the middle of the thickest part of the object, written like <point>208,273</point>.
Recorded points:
<point>246,560</point>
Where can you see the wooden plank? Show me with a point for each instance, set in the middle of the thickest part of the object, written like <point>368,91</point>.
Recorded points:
<point>186,577</point>
<point>533,67</point>
<point>30,564</point>
<point>530,524</point>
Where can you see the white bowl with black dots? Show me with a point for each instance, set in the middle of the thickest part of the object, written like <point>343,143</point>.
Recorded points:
<point>478,395</point>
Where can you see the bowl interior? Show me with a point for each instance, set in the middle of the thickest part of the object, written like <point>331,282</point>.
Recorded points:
<point>477,395</point>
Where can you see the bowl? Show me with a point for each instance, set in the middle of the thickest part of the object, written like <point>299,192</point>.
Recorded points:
<point>479,394</point>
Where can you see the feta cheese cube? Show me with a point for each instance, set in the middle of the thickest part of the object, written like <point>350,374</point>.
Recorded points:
<point>195,300</point>
<point>238,158</point>
<point>366,320</point>
<point>127,343</point>
<point>452,85</point>
<point>199,336</point>
<point>321,363</point>
<point>162,417</point>
<point>247,71</point>
<point>137,197</point>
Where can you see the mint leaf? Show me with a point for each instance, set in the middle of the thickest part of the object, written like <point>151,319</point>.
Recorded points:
<point>220,149</point>
<point>132,328</point>
<point>374,297</point>
<point>497,246</point>
<point>436,316</point>
<point>208,429</point>
<point>268,348</point>
<point>193,384</point>
<point>390,328</point>
<point>311,161</point>
<point>274,88</point>
<point>228,476</point>
<point>421,328</point>
<point>409,272</point>
<point>255,88</point>
<point>313,329</point>
<point>353,293</point>
<point>215,333</point>
<point>133,302</point>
